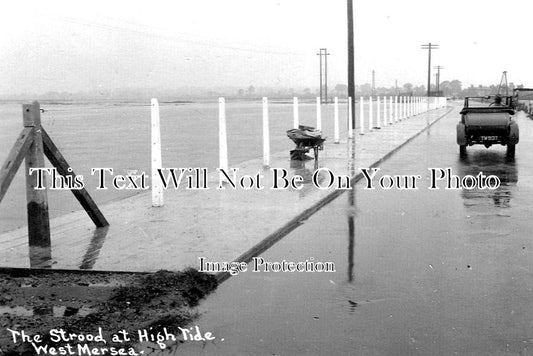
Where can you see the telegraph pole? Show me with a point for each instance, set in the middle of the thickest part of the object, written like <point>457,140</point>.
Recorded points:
<point>326,54</point>
<point>320,88</point>
<point>373,83</point>
<point>323,74</point>
<point>438,68</point>
<point>351,69</point>
<point>429,46</point>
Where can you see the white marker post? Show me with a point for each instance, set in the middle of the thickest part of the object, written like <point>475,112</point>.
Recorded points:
<point>370,114</point>
<point>399,108</point>
<point>361,116</point>
<point>336,119</point>
<point>402,107</point>
<point>391,111</point>
<point>318,114</point>
<point>385,121</point>
<point>266,135</point>
<point>396,113</point>
<point>296,119</point>
<point>378,113</point>
<point>350,118</point>
<point>222,137</point>
<point>157,187</point>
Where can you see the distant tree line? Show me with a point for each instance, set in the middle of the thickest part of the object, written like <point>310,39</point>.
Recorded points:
<point>453,88</point>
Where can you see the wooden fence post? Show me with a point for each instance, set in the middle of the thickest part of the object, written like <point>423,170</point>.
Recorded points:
<point>361,116</point>
<point>318,114</point>
<point>266,135</point>
<point>295,118</point>
<point>36,199</point>
<point>222,138</point>
<point>336,120</point>
<point>370,114</point>
<point>157,186</point>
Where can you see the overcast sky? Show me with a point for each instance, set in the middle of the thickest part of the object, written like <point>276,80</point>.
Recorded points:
<point>77,46</point>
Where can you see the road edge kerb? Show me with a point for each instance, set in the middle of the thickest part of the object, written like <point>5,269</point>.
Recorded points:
<point>283,231</point>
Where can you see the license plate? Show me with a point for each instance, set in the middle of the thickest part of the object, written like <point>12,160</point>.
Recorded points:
<point>489,138</point>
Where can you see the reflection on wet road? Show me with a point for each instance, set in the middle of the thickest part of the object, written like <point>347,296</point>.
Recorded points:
<point>417,271</point>
<point>490,162</point>
<point>42,257</point>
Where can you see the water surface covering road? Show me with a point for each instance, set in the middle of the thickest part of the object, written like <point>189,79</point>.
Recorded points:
<point>419,272</point>
<point>117,135</point>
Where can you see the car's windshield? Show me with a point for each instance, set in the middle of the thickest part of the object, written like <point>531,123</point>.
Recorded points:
<point>487,101</point>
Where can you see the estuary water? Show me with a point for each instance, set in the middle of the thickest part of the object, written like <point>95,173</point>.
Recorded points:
<point>117,135</point>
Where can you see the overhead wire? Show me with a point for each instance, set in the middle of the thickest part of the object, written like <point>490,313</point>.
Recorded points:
<point>153,32</point>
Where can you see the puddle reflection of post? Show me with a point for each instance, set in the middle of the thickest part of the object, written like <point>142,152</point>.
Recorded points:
<point>93,251</point>
<point>351,239</point>
<point>351,209</point>
<point>40,256</point>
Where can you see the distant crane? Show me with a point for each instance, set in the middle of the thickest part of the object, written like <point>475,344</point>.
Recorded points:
<point>503,84</point>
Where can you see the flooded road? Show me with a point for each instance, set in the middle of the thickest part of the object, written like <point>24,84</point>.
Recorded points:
<point>117,135</point>
<point>418,271</point>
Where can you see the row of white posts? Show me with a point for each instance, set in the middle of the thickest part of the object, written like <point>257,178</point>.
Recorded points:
<point>395,109</point>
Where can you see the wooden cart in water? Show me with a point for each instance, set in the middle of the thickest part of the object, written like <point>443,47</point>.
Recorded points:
<point>305,138</point>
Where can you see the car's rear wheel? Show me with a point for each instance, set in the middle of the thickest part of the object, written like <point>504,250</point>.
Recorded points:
<point>510,150</point>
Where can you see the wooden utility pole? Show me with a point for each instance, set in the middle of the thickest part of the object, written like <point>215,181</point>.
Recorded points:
<point>438,68</point>
<point>429,46</point>
<point>373,83</point>
<point>323,75</point>
<point>351,67</point>
<point>320,88</point>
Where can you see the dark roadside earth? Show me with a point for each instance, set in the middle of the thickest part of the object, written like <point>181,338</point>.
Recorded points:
<point>81,303</point>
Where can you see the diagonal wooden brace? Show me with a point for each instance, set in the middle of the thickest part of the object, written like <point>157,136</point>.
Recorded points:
<point>14,159</point>
<point>60,163</point>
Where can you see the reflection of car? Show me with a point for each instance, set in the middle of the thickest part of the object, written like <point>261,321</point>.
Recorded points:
<point>490,163</point>
<point>487,123</point>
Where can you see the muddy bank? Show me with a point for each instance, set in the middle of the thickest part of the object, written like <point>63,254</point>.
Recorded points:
<point>65,311</point>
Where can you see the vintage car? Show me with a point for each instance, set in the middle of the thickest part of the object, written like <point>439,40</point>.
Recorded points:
<point>488,121</point>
